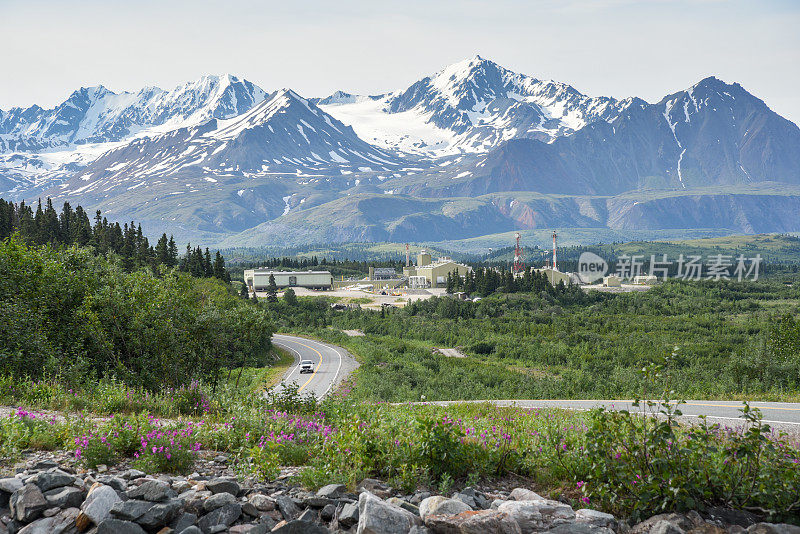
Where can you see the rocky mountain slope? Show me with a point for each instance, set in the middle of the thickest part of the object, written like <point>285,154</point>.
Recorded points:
<point>219,156</point>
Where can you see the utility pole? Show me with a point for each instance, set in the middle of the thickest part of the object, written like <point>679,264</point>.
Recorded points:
<point>518,266</point>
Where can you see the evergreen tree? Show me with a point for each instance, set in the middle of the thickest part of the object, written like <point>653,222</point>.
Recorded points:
<point>272,289</point>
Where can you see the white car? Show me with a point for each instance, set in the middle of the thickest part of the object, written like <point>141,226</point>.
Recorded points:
<point>306,366</point>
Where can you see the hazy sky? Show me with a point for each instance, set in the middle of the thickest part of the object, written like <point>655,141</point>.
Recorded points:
<point>620,48</point>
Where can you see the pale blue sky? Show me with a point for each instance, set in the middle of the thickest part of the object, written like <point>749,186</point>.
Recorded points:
<point>646,48</point>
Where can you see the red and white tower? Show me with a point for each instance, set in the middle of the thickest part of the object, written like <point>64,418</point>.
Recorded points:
<point>555,265</point>
<point>518,266</point>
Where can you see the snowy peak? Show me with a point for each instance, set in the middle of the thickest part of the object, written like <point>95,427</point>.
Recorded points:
<point>471,106</point>
<point>98,115</point>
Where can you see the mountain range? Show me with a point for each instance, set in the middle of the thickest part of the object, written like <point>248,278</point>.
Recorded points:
<point>471,150</point>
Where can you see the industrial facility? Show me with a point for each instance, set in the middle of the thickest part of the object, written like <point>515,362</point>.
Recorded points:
<point>428,273</point>
<point>258,279</point>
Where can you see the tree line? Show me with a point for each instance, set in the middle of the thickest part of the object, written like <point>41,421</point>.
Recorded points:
<point>72,227</point>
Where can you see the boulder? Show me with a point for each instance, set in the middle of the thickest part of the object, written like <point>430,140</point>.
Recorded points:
<point>773,528</point>
<point>578,528</point>
<point>537,515</point>
<point>117,483</point>
<point>522,494</point>
<point>64,497</point>
<point>223,485</point>
<point>440,505</point>
<point>376,487</point>
<point>218,500</point>
<point>224,515</point>
<point>467,499</point>
<point>480,522</point>
<point>130,510</point>
<point>183,521</point>
<point>27,503</point>
<point>596,518</point>
<point>118,526</point>
<point>152,490</point>
<point>665,527</point>
<point>61,523</point>
<point>349,515</point>
<point>160,514</point>
<point>331,491</point>
<point>97,506</point>
<point>376,516</point>
<point>328,512</point>
<point>405,505</point>
<point>53,479</point>
<point>300,527</point>
<point>10,485</point>
<point>287,507</point>
<point>262,502</point>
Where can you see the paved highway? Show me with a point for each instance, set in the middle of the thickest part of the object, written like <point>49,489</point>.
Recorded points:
<point>779,415</point>
<point>331,364</point>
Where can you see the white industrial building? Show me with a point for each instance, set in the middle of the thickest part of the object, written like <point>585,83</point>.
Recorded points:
<point>258,279</point>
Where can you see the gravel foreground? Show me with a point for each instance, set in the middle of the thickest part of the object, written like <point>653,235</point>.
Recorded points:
<point>46,493</point>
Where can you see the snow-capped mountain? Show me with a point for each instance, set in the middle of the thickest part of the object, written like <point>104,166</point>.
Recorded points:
<point>283,134</point>
<point>488,149</point>
<point>98,115</point>
<point>472,106</point>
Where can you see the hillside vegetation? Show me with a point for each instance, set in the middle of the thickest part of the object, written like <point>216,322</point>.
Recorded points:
<point>76,315</point>
<point>733,340</point>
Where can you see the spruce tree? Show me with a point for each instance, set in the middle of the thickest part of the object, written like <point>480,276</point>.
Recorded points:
<point>272,289</point>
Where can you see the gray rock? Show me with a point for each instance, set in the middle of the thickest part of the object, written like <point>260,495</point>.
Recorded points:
<point>537,515</point>
<point>419,529</point>
<point>317,502</point>
<point>773,528</point>
<point>249,509</point>
<point>484,521</point>
<point>223,485</point>
<point>61,523</point>
<point>152,490</point>
<point>117,526</point>
<point>115,482</point>
<point>184,521</point>
<point>160,514</point>
<point>331,491</point>
<point>65,497</point>
<point>249,528</point>
<point>10,485</point>
<point>133,474</point>
<point>419,497</point>
<point>405,505</point>
<point>376,487</point>
<point>194,529</point>
<point>578,528</point>
<point>217,501</point>
<point>308,516</point>
<point>262,502</point>
<point>287,507</point>
<point>301,527</point>
<point>665,527</point>
<point>328,512</point>
<point>27,503</point>
<point>225,515</point>
<point>522,494</point>
<point>53,479</point>
<point>441,505</point>
<point>130,510</point>
<point>349,515</point>
<point>98,504</point>
<point>596,518</point>
<point>376,516</point>
<point>469,500</point>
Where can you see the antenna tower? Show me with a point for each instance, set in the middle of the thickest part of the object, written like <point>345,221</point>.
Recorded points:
<point>519,266</point>
<point>555,265</point>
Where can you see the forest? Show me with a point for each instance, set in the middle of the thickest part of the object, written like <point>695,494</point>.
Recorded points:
<point>81,302</point>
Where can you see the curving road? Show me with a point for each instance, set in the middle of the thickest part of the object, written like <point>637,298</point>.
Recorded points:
<point>332,364</point>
